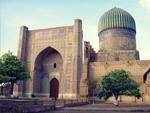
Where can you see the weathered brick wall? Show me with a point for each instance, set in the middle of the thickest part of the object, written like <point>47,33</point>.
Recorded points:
<point>137,68</point>
<point>117,55</point>
<point>25,106</point>
<point>89,52</point>
<point>84,79</point>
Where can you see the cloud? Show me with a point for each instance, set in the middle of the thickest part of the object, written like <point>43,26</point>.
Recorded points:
<point>145,4</point>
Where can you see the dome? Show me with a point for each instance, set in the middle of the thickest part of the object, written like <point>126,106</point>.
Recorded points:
<point>116,18</point>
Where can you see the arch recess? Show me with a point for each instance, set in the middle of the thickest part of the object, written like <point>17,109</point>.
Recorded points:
<point>44,68</point>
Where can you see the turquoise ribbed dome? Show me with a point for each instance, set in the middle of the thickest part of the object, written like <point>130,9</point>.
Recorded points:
<point>116,18</point>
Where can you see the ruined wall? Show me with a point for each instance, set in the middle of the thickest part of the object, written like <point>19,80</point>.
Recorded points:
<point>89,52</point>
<point>89,56</point>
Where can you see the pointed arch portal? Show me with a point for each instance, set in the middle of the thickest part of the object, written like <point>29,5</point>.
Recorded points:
<point>48,62</point>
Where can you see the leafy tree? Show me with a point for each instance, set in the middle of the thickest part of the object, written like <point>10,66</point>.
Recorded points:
<point>116,83</point>
<point>12,70</point>
<point>4,79</point>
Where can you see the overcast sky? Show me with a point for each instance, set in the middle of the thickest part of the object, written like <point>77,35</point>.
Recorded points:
<point>51,13</point>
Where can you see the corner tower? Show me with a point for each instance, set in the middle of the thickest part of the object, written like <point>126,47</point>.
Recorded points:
<point>117,36</point>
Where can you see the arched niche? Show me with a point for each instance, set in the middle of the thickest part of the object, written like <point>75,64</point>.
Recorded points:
<point>47,62</point>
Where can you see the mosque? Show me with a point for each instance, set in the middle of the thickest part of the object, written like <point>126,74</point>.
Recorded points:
<point>60,67</point>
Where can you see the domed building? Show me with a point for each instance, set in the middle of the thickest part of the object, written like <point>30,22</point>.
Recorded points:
<point>59,69</point>
<point>117,36</point>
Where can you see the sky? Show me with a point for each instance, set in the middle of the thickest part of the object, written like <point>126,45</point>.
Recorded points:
<point>37,14</point>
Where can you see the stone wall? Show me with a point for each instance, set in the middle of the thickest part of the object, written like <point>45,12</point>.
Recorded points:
<point>26,106</point>
<point>117,55</point>
<point>137,68</point>
<point>84,79</point>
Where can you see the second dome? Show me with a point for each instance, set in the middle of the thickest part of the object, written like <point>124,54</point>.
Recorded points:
<point>116,18</point>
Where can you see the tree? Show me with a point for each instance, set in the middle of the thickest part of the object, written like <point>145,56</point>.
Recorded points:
<point>12,70</point>
<point>116,83</point>
<point>4,79</point>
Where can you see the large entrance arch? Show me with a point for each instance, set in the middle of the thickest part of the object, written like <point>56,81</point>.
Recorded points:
<point>48,64</point>
<point>54,88</point>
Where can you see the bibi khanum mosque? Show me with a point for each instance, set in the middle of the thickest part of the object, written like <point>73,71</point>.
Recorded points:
<point>59,68</point>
